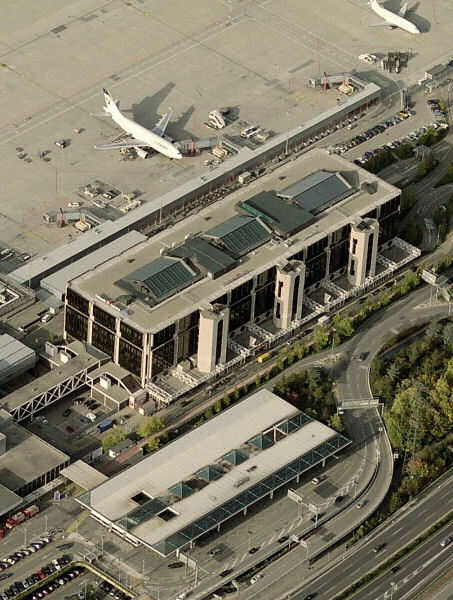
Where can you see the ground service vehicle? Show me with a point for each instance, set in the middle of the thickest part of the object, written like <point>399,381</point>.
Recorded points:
<point>264,357</point>
<point>107,424</point>
<point>22,516</point>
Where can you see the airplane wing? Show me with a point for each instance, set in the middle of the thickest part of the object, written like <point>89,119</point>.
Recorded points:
<point>162,123</point>
<point>382,24</point>
<point>402,10</point>
<point>131,144</point>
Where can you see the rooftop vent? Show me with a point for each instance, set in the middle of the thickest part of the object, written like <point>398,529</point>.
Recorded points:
<point>368,187</point>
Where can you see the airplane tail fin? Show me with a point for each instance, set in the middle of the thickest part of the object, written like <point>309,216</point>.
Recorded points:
<point>111,106</point>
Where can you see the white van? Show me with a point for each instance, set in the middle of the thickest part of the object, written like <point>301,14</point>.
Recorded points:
<point>250,132</point>
<point>92,417</point>
<point>46,318</point>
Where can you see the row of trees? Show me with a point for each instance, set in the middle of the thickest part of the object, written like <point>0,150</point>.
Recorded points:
<point>310,390</point>
<point>149,427</point>
<point>416,385</point>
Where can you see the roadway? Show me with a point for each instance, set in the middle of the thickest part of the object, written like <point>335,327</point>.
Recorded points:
<point>352,564</point>
<point>424,565</point>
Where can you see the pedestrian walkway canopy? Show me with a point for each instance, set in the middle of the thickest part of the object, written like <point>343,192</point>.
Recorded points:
<point>84,475</point>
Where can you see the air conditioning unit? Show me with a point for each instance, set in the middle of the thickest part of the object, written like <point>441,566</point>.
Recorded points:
<point>65,357</point>
<point>105,382</point>
<point>50,349</point>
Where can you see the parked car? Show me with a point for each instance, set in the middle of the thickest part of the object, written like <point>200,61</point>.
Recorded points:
<point>256,578</point>
<point>360,504</point>
<point>69,429</point>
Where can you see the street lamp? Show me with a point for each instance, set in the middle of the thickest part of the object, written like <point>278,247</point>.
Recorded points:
<point>47,530</point>
<point>334,331</point>
<point>250,537</point>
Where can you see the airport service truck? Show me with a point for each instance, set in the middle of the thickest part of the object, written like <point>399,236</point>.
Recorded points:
<point>22,516</point>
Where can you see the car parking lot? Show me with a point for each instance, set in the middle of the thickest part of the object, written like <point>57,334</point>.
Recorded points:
<point>72,415</point>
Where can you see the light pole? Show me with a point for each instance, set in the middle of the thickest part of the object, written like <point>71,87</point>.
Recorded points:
<point>355,488</point>
<point>250,537</point>
<point>287,133</point>
<point>25,536</point>
<point>334,331</point>
<point>47,529</point>
<point>143,569</point>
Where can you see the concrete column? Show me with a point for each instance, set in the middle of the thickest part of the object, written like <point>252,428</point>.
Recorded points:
<point>289,276</point>
<point>207,338</point>
<point>323,462</point>
<point>90,324</point>
<point>245,511</point>
<point>271,495</point>
<point>362,251</point>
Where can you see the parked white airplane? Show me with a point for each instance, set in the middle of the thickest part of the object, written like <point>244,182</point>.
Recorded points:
<point>146,138</point>
<point>393,19</point>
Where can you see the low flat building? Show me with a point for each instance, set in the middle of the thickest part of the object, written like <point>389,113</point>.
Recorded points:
<point>26,462</point>
<point>194,484</point>
<point>15,358</point>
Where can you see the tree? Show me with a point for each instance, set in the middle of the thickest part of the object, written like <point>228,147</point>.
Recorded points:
<point>321,339</point>
<point>257,381</point>
<point>208,414</point>
<point>426,166</point>
<point>152,445</point>
<point>408,200</point>
<point>413,233</point>
<point>236,394</point>
<point>226,401</point>
<point>116,435</point>
<point>150,426</point>
<point>433,331</point>
<point>392,371</point>
<point>447,336</point>
<point>312,377</point>
<point>335,423</point>
<point>404,151</point>
<point>345,328</point>
<point>217,406</point>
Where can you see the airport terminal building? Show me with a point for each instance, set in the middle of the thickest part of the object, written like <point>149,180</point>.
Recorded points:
<point>235,278</point>
<point>192,485</point>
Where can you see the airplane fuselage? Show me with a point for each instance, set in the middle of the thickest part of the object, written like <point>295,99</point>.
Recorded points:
<point>392,18</point>
<point>142,134</point>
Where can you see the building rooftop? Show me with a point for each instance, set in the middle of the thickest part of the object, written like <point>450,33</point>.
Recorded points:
<point>56,283</point>
<point>284,218</point>
<point>84,475</point>
<point>82,359</point>
<point>8,500</point>
<point>164,494</point>
<point>318,191</point>
<point>13,354</point>
<point>26,458</point>
<point>102,281</point>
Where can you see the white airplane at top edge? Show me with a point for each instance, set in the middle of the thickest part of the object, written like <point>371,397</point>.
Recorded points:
<point>392,19</point>
<point>145,138</point>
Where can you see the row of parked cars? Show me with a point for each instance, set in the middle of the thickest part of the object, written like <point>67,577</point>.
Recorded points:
<point>111,590</point>
<point>342,147</point>
<point>410,138</point>
<point>13,558</point>
<point>58,563</point>
<point>434,106</point>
